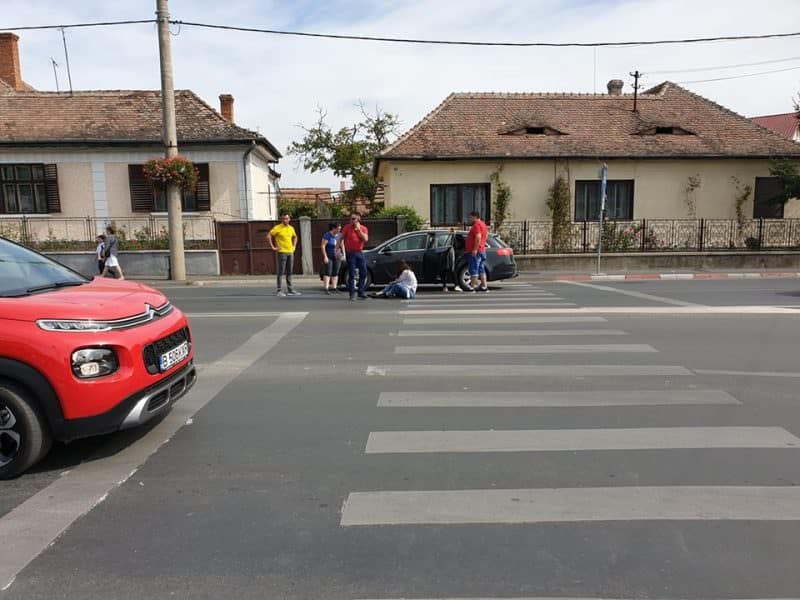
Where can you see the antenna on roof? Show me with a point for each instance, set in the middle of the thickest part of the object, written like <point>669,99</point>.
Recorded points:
<point>636,75</point>
<point>55,73</point>
<point>66,55</point>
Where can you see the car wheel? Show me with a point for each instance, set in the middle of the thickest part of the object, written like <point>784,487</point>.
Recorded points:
<point>24,438</point>
<point>462,278</point>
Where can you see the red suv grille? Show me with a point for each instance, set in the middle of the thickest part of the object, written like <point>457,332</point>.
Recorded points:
<point>153,351</point>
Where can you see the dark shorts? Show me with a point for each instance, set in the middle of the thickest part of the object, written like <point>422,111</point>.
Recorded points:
<point>331,268</point>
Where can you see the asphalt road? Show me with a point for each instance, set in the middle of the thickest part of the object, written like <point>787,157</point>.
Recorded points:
<point>615,440</point>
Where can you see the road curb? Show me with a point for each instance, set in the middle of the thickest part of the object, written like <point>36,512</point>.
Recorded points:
<point>675,276</point>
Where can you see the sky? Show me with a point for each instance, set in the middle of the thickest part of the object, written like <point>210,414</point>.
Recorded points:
<point>279,81</point>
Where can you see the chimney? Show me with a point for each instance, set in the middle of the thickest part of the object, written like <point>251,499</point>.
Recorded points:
<point>10,71</point>
<point>226,107</point>
<point>615,87</point>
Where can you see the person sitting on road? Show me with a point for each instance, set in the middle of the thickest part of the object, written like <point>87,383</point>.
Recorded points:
<point>403,286</point>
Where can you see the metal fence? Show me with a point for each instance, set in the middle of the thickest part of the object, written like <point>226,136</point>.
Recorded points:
<point>655,235</point>
<point>79,233</point>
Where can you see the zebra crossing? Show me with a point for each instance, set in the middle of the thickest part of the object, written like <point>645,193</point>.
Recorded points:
<point>444,362</point>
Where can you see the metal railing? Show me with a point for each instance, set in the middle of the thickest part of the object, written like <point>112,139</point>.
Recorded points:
<point>655,235</point>
<point>147,232</point>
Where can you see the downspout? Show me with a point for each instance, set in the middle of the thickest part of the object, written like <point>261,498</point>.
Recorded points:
<point>245,162</point>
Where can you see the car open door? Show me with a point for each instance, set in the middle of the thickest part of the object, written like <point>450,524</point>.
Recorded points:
<point>437,256</point>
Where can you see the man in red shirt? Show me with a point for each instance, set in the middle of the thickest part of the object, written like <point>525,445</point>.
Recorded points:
<point>475,246</point>
<point>354,236</point>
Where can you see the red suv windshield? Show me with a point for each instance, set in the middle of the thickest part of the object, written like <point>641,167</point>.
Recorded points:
<point>24,272</point>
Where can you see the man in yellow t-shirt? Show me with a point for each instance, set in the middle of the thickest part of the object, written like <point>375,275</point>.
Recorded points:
<point>283,239</point>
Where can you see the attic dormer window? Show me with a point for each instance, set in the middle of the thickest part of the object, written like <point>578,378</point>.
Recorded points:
<point>531,130</point>
<point>665,131</point>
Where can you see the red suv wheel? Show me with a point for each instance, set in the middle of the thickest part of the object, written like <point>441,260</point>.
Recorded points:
<point>24,438</point>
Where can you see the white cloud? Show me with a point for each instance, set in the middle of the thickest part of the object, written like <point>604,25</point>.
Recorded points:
<point>278,81</point>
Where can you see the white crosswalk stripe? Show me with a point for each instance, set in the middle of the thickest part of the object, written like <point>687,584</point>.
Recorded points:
<point>555,399</point>
<point>528,349</point>
<point>509,333</point>
<point>462,507</point>
<point>475,319</point>
<point>492,370</point>
<point>574,440</point>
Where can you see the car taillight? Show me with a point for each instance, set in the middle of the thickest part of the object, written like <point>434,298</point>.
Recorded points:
<point>505,252</point>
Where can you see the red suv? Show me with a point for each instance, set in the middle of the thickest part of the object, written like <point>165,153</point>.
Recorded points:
<point>81,357</point>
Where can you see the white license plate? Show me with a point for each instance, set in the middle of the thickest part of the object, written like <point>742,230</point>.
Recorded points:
<point>174,356</point>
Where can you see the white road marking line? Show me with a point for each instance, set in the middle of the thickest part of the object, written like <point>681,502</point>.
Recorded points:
<point>747,373</point>
<point>462,507</point>
<point>474,320</point>
<point>489,304</point>
<point>621,310</point>
<point>509,333</point>
<point>558,598</point>
<point>527,349</point>
<point>451,297</point>
<point>579,440</point>
<point>34,524</point>
<point>554,399</point>
<point>633,293</point>
<point>232,315</point>
<point>577,371</point>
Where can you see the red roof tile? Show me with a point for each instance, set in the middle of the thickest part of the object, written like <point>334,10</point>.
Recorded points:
<point>786,124</point>
<point>113,116</point>
<point>492,125</point>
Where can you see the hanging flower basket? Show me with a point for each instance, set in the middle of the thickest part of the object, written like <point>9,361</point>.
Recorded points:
<point>160,172</point>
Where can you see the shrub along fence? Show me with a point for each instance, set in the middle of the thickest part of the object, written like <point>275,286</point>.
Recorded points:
<point>655,235</point>
<point>148,232</point>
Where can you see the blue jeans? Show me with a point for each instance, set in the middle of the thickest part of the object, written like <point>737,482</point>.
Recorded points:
<point>356,260</point>
<point>398,290</point>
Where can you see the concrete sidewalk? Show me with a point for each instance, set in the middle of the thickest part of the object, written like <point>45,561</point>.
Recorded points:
<point>305,281</point>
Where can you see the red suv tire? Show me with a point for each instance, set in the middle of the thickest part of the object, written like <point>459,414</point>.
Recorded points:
<point>24,436</point>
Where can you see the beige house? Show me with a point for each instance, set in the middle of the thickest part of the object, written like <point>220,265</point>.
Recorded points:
<point>671,154</point>
<point>72,159</point>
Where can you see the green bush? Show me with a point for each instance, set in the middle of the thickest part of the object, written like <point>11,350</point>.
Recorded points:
<point>297,209</point>
<point>413,219</point>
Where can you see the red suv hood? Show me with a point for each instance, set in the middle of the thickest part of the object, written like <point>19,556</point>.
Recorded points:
<point>100,299</point>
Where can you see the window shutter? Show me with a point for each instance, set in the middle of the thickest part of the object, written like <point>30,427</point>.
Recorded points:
<point>51,188</point>
<point>203,190</point>
<point>141,190</point>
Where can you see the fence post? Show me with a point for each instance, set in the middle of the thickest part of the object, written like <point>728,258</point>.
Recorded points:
<point>760,233</point>
<point>584,237</point>
<point>307,245</point>
<point>400,224</point>
<point>702,233</point>
<point>525,244</point>
<point>643,245</point>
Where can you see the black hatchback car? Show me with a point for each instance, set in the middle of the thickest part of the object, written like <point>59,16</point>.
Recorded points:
<point>427,254</point>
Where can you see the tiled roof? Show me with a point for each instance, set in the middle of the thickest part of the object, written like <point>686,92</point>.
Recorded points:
<point>786,124</point>
<point>114,116</point>
<point>308,194</point>
<point>493,125</point>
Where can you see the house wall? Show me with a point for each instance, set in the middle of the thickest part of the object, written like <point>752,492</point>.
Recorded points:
<point>659,185</point>
<point>261,187</point>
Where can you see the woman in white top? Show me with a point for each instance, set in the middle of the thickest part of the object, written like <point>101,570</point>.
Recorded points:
<point>404,286</point>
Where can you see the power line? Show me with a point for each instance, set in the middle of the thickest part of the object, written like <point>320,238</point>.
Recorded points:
<point>722,67</point>
<point>94,24</point>
<point>726,38</point>
<point>367,38</point>
<point>741,76</point>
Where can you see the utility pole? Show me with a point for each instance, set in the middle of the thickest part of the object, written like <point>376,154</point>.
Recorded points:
<point>170,138</point>
<point>636,75</point>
